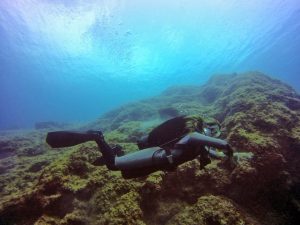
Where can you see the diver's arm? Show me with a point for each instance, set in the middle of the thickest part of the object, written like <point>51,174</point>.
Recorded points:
<point>196,139</point>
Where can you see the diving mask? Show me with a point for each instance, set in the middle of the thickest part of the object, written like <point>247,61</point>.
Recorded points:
<point>212,130</point>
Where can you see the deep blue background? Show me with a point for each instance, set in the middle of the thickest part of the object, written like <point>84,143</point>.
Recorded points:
<point>73,60</point>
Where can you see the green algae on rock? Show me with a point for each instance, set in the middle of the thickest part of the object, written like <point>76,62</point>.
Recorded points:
<point>210,209</point>
<point>259,115</point>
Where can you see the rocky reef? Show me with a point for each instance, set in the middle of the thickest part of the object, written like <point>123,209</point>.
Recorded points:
<point>259,115</point>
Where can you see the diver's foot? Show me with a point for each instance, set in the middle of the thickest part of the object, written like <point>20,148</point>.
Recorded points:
<point>99,161</point>
<point>118,150</point>
<point>97,133</point>
<point>98,137</point>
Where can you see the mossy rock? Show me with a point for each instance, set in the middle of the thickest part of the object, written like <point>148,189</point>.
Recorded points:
<point>126,210</point>
<point>259,115</point>
<point>210,210</point>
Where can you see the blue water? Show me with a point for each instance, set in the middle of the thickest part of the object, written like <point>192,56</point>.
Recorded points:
<point>72,60</point>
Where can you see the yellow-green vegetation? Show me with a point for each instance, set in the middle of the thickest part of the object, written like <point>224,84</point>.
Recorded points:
<point>209,210</point>
<point>259,116</point>
<point>126,210</point>
<point>22,169</point>
<point>254,138</point>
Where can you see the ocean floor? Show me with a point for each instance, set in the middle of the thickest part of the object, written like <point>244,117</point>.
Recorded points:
<point>260,116</point>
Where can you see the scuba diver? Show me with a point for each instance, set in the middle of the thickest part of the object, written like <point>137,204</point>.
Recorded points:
<point>167,146</point>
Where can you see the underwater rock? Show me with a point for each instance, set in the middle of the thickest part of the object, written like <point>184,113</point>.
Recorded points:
<point>2,169</point>
<point>167,113</point>
<point>50,125</point>
<point>212,210</point>
<point>77,165</point>
<point>32,151</point>
<point>5,168</point>
<point>38,166</point>
<point>6,149</point>
<point>260,116</point>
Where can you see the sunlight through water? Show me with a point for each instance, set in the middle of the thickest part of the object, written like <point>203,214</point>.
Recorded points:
<point>71,60</point>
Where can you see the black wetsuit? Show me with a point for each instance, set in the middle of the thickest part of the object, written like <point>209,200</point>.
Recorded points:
<point>170,144</point>
<point>166,147</point>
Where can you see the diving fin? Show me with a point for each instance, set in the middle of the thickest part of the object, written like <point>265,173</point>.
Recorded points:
<point>59,139</point>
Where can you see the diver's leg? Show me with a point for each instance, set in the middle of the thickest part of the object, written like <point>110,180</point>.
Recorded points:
<point>107,152</point>
<point>135,173</point>
<point>142,163</point>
